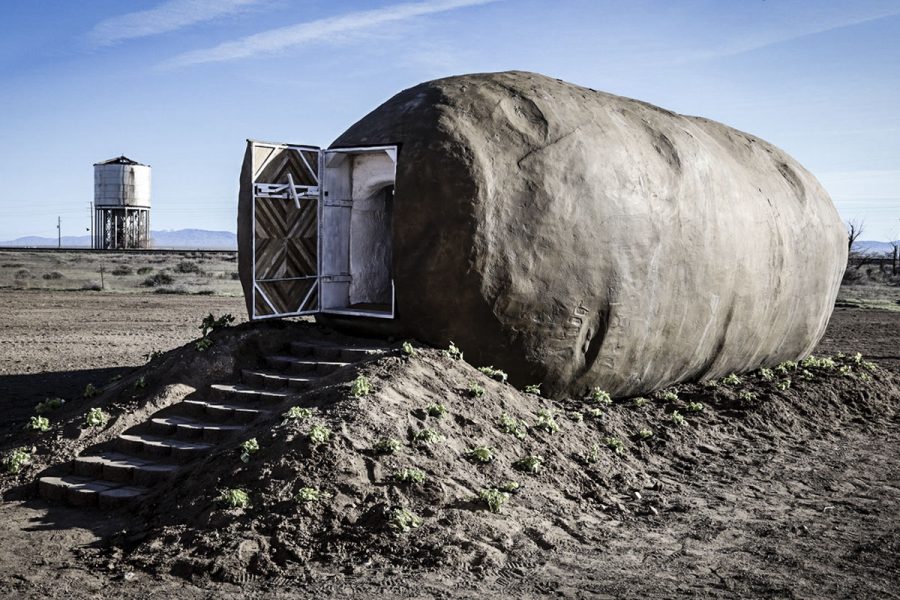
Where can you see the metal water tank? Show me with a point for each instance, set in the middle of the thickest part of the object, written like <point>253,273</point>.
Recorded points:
<point>121,182</point>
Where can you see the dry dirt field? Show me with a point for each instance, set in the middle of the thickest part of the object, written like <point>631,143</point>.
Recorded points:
<point>807,510</point>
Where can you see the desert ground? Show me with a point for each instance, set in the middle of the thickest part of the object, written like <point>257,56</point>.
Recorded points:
<point>797,496</point>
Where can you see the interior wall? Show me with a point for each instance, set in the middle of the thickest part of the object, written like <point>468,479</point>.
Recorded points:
<point>371,248</point>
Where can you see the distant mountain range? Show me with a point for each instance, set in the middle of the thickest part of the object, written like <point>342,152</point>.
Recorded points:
<point>872,247</point>
<point>188,239</point>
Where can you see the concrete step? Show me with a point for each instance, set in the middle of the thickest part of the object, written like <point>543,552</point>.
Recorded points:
<point>221,412</point>
<point>303,366</point>
<point>330,352</point>
<point>156,447</point>
<point>243,393</point>
<point>186,428</point>
<point>271,380</point>
<point>122,468</point>
<point>86,491</point>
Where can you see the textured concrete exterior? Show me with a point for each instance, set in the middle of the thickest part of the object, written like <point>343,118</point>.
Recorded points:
<point>580,239</point>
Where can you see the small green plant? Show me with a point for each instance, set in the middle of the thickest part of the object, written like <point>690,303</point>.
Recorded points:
<point>495,374</point>
<point>248,448</point>
<point>480,454</point>
<point>90,391</point>
<point>140,383</point>
<point>806,374</point>
<point>600,396</point>
<point>387,446</point>
<point>846,371</point>
<point>670,396</point>
<point>711,383</point>
<point>614,444</point>
<point>436,410</point>
<point>645,433</point>
<point>747,396</point>
<point>595,413</point>
<point>493,498</point>
<point>509,486</point>
<point>513,426</point>
<point>534,388</point>
<point>546,421</point>
<point>360,387</point>
<point>203,344</point>
<point>677,418</point>
<point>404,520</point>
<point>319,434</point>
<point>592,456</point>
<point>45,406</point>
<point>865,377</point>
<point>406,349</point>
<point>529,464</point>
<point>427,436</point>
<point>454,352</point>
<point>732,380</point>
<point>16,459</point>
<point>211,323</point>
<point>234,498</point>
<point>783,385</point>
<point>640,402</point>
<point>307,495</point>
<point>153,355</point>
<point>38,424</point>
<point>576,416</point>
<point>410,475</point>
<point>475,390</point>
<point>812,362</point>
<point>95,417</point>
<point>786,367</point>
<point>297,413</point>
<point>766,374</point>
<point>856,358</point>
<point>695,407</point>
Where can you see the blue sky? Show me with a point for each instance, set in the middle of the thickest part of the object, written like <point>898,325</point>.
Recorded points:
<point>180,84</point>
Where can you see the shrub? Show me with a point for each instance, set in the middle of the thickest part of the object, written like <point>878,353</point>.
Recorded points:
<point>161,278</point>
<point>297,413</point>
<point>178,290</point>
<point>93,286</point>
<point>493,498</point>
<point>530,464</point>
<point>144,270</point>
<point>187,266</point>
<point>436,410</point>
<point>387,446</point>
<point>513,426</point>
<point>205,292</point>
<point>248,448</point>
<point>53,275</point>
<point>454,352</point>
<point>16,459</point>
<point>45,406</point>
<point>600,396</point>
<point>495,374</point>
<point>546,421</point>
<point>211,323</point>
<point>235,275</point>
<point>319,434</point>
<point>122,270</point>
<point>24,274</point>
<point>38,424</point>
<point>404,520</point>
<point>410,475</point>
<point>480,454</point>
<point>360,387</point>
<point>475,390</point>
<point>95,417</point>
<point>234,498</point>
<point>203,344</point>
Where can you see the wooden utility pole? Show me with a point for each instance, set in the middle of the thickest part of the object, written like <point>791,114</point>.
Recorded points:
<point>59,232</point>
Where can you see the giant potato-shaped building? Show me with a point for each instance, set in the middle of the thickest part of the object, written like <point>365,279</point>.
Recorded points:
<point>578,239</point>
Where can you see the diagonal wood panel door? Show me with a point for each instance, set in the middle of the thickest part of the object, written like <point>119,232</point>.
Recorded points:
<point>285,229</point>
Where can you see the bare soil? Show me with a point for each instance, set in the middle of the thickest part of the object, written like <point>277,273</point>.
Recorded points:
<point>784,494</point>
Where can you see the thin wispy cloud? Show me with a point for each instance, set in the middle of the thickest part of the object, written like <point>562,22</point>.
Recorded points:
<point>321,30</point>
<point>171,15</point>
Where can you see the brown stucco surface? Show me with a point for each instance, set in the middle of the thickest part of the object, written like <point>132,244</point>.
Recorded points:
<point>580,239</point>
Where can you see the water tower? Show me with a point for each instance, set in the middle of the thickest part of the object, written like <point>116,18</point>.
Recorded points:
<point>121,204</point>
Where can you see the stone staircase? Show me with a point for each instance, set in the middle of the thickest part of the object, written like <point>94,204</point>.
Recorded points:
<point>154,450</point>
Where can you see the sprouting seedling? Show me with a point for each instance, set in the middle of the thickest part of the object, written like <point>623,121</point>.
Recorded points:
<point>410,475</point>
<point>203,344</point>
<point>297,413</point>
<point>640,402</point>
<point>406,349</point>
<point>711,383</point>
<point>475,390</point>
<point>786,367</point>
<point>153,355</point>
<point>234,498</point>
<point>89,391</point>
<point>95,417</point>
<point>38,424</point>
<point>576,416</point>
<point>427,436</point>
<point>404,520</point>
<point>140,383</point>
<point>592,456</point>
<point>454,352</point>
<point>745,395</point>
<point>509,486</point>
<point>811,362</point>
<point>360,387</point>
<point>595,413</point>
<point>695,407</point>
<point>45,406</point>
<point>529,464</point>
<point>480,454</point>
<point>783,385</point>
<point>846,371</point>
<point>16,459</point>
<point>534,388</point>
<point>307,495</point>
<point>319,434</point>
<point>211,323</point>
<point>249,447</point>
<point>614,444</point>
<point>546,421</point>
<point>600,396</point>
<point>512,426</point>
<point>766,374</point>
<point>645,434</point>
<point>732,380</point>
<point>493,498</point>
<point>677,418</point>
<point>495,374</point>
<point>436,410</point>
<point>387,446</point>
<point>670,396</point>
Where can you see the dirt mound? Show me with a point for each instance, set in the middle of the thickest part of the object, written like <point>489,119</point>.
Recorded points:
<point>556,468</point>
